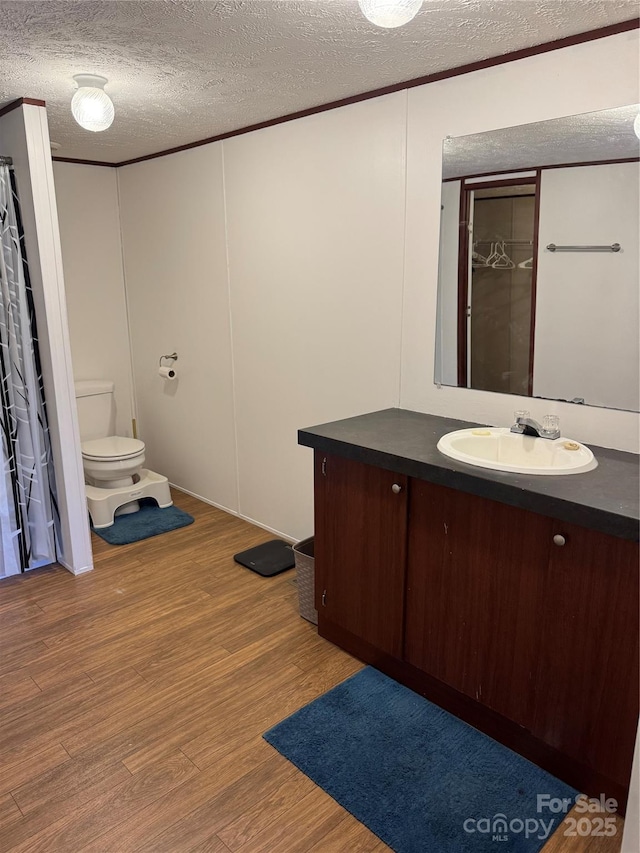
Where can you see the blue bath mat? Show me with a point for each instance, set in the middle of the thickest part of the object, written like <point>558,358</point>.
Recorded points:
<point>150,520</point>
<point>419,778</point>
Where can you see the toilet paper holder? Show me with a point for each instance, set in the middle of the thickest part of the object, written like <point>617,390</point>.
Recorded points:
<point>172,357</point>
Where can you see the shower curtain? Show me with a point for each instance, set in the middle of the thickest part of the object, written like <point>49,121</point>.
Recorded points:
<point>28,510</point>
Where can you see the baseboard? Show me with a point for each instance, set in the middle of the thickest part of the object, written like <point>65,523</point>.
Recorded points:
<point>237,514</point>
<point>81,571</point>
<point>292,540</point>
<point>205,500</point>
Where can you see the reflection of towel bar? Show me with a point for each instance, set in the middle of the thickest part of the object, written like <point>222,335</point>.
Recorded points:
<point>614,247</point>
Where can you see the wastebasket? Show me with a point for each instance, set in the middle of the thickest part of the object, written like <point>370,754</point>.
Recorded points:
<point>304,557</point>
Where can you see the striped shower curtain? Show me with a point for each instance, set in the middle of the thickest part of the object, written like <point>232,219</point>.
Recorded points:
<point>28,511</point>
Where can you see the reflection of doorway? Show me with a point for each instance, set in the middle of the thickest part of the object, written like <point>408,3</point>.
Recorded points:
<point>497,271</point>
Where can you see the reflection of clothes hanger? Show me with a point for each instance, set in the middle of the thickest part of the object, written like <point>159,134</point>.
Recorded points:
<point>502,261</point>
<point>526,265</point>
<point>477,260</point>
<point>493,255</point>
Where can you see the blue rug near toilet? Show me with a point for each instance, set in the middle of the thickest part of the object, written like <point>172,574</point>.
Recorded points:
<point>150,520</point>
<point>421,779</point>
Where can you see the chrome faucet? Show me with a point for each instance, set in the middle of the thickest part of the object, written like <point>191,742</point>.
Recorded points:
<point>527,426</point>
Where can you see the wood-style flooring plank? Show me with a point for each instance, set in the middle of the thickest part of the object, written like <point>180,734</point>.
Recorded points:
<point>21,656</point>
<point>210,845</point>
<point>349,836</point>
<point>305,824</point>
<point>122,622</point>
<point>81,827</point>
<point>204,822</point>
<point>15,687</point>
<point>127,648</point>
<point>154,820</point>
<point>566,840</point>
<point>256,814</point>
<point>9,810</point>
<point>179,701</point>
<point>59,709</point>
<point>72,783</point>
<point>133,700</point>
<point>15,773</point>
<point>260,716</point>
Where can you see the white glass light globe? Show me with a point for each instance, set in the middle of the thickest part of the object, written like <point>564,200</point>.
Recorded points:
<point>636,125</point>
<point>92,108</point>
<point>390,13</point>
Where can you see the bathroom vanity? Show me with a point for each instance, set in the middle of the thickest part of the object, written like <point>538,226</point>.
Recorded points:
<point>509,600</point>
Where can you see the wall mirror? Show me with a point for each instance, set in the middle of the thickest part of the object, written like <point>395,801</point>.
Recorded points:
<point>538,286</point>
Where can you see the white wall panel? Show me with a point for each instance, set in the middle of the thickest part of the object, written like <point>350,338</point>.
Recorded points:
<point>24,136</point>
<point>315,231</point>
<point>173,225</point>
<point>587,303</point>
<point>87,199</point>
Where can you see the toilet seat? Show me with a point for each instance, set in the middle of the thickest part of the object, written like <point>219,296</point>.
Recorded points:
<point>114,447</point>
<point>113,465</point>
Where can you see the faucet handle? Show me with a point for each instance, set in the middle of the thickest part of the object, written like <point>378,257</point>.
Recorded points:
<point>551,423</point>
<point>519,418</point>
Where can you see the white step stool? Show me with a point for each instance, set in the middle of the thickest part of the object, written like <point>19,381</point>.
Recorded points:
<point>103,503</point>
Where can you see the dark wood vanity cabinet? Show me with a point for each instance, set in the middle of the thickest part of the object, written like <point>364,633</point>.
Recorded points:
<point>525,626</point>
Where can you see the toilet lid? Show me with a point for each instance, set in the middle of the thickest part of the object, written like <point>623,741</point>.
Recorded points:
<point>112,447</point>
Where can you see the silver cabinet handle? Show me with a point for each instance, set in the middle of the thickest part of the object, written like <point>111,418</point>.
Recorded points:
<point>559,540</point>
<point>396,489</point>
<point>324,598</point>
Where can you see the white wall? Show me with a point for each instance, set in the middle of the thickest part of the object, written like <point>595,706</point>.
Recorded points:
<point>315,213</point>
<point>592,76</point>
<point>587,303</point>
<point>314,234</point>
<point>89,219</point>
<point>173,225</point>
<point>24,136</point>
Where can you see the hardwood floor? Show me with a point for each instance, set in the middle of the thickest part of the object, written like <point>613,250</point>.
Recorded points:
<point>133,700</point>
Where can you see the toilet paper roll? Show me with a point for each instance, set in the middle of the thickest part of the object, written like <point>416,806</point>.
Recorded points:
<point>167,372</point>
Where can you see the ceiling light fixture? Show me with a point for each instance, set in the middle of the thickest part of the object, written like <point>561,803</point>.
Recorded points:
<point>390,13</point>
<point>92,108</point>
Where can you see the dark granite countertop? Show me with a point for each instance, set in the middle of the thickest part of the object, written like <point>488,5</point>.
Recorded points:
<point>605,499</point>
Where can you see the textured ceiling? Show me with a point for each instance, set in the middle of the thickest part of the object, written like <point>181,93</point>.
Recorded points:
<point>182,71</point>
<point>603,135</point>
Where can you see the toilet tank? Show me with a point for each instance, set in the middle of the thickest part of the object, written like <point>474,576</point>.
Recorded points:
<point>96,408</point>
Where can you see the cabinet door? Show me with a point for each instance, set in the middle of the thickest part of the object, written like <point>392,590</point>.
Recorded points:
<point>587,679</point>
<point>475,586</point>
<point>360,549</point>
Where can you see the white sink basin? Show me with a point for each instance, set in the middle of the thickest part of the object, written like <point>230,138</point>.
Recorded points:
<point>502,450</point>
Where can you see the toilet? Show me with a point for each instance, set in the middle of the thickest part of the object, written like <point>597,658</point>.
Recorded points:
<point>113,465</point>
